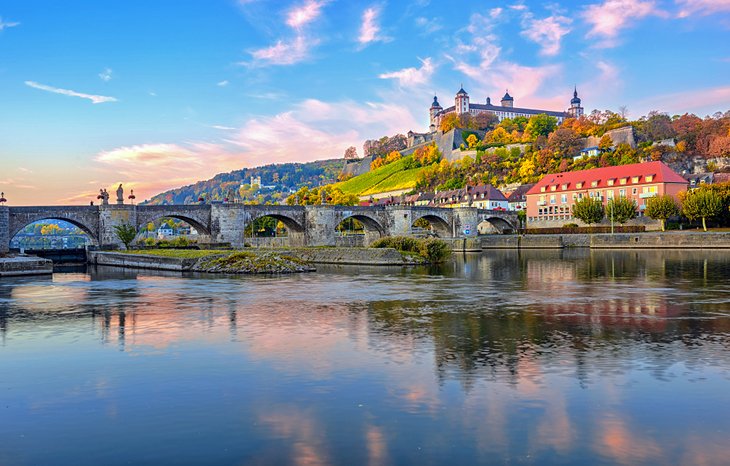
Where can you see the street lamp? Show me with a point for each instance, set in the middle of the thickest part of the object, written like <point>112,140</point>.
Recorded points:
<point>131,196</point>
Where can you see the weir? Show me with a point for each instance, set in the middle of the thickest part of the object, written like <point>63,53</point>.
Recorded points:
<point>226,223</point>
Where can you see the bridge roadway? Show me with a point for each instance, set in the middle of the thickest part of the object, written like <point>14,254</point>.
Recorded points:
<point>307,225</point>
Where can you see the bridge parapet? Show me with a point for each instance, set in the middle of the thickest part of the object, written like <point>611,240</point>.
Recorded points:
<point>4,229</point>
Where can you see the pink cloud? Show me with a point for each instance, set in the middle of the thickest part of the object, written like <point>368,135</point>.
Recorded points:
<point>702,7</point>
<point>701,101</point>
<point>609,18</point>
<point>304,14</point>
<point>547,32</point>
<point>370,29</point>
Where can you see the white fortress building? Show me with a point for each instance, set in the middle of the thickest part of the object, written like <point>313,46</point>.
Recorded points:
<point>506,109</point>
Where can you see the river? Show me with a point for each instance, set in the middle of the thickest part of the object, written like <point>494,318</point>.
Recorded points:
<point>534,357</point>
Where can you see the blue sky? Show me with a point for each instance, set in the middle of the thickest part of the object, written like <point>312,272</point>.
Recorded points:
<point>162,93</point>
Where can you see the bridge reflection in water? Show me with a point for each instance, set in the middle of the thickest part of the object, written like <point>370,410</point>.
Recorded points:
<point>566,356</point>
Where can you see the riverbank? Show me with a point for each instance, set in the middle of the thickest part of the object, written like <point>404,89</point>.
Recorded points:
<point>16,265</point>
<point>649,240</point>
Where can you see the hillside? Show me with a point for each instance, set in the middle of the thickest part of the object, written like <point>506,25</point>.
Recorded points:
<point>277,182</point>
<point>395,176</point>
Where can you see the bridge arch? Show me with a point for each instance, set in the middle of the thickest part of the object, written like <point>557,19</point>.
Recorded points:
<point>294,229</point>
<point>439,224</point>
<point>86,221</point>
<point>501,225</point>
<point>373,228</point>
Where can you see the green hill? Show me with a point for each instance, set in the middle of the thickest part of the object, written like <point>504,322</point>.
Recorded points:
<point>394,176</point>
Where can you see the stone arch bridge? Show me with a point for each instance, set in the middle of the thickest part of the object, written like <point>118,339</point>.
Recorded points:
<point>307,225</point>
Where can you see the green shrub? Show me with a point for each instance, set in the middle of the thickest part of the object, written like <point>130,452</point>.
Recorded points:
<point>570,225</point>
<point>432,249</point>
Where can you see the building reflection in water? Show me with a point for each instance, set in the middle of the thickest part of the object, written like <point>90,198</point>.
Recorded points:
<point>552,354</point>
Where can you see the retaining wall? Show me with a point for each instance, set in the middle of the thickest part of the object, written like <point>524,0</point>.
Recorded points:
<point>666,240</point>
<point>20,265</point>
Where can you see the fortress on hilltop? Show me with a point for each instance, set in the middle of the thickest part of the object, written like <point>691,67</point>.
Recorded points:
<point>506,108</point>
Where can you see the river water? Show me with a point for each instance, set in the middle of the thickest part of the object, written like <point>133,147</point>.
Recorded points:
<point>537,357</point>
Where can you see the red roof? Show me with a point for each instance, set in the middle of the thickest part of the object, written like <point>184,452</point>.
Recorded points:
<point>661,173</point>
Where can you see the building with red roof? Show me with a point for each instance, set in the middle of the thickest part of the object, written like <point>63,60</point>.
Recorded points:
<point>553,196</point>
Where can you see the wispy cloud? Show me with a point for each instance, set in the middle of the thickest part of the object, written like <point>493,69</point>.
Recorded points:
<point>609,18</point>
<point>300,16</point>
<point>95,99</point>
<point>222,128</point>
<point>708,100</point>
<point>702,7</point>
<point>428,26</point>
<point>7,24</point>
<point>546,32</point>
<point>412,76</point>
<point>296,49</point>
<point>370,29</point>
<point>223,83</point>
<point>106,75</point>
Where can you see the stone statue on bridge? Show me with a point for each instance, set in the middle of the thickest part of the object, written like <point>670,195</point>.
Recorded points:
<point>103,196</point>
<point>120,195</point>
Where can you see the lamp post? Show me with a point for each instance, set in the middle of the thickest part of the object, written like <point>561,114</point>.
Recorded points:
<point>611,202</point>
<point>131,196</point>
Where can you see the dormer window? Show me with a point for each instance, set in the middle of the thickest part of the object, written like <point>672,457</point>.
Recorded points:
<point>564,186</point>
<point>579,185</point>
<point>649,178</point>
<point>623,180</point>
<point>611,181</point>
<point>594,183</point>
<point>553,187</point>
<point>542,189</point>
<point>635,179</point>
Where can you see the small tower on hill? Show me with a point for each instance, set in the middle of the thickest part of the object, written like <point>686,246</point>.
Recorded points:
<point>462,101</point>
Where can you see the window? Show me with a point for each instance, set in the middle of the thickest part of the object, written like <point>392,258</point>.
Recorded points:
<point>609,194</point>
<point>635,179</point>
<point>594,184</point>
<point>542,189</point>
<point>564,187</point>
<point>553,187</point>
<point>633,191</point>
<point>552,199</point>
<point>563,198</point>
<point>622,193</point>
<point>610,182</point>
<point>579,185</point>
<point>649,178</point>
<point>623,180</point>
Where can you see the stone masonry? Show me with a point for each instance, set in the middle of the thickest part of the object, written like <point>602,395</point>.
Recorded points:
<point>225,223</point>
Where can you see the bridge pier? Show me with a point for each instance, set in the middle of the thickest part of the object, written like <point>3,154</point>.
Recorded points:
<point>4,229</point>
<point>111,216</point>
<point>227,222</point>
<point>318,226</point>
<point>466,217</point>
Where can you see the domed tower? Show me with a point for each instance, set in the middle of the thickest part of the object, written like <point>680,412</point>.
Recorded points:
<point>462,101</point>
<point>575,110</point>
<point>507,100</point>
<point>434,110</point>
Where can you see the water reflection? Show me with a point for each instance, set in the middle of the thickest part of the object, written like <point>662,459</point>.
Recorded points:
<point>567,357</point>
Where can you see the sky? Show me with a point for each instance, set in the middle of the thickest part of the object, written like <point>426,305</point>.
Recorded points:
<point>163,93</point>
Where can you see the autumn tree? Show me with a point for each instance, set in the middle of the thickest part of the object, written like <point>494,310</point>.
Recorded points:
<point>448,122</point>
<point>472,140</point>
<point>661,208</point>
<point>350,153</point>
<point>622,209</point>
<point>485,121</point>
<point>701,204</point>
<point>606,143</point>
<point>540,125</point>
<point>588,210</point>
<point>565,142</point>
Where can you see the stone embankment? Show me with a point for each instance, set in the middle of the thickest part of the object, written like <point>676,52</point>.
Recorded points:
<point>654,240</point>
<point>233,262</point>
<point>355,256</point>
<point>14,265</point>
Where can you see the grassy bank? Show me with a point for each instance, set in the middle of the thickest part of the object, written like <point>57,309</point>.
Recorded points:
<point>217,261</point>
<point>432,250</point>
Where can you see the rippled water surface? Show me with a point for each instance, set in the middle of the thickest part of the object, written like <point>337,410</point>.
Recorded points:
<point>539,357</point>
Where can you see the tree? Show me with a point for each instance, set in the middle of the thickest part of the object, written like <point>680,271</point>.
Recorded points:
<point>661,208</point>
<point>472,140</point>
<point>606,143</point>
<point>351,153</point>
<point>565,142</point>
<point>448,122</point>
<point>540,125</point>
<point>126,233</point>
<point>588,210</point>
<point>622,209</point>
<point>485,121</point>
<point>702,204</point>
